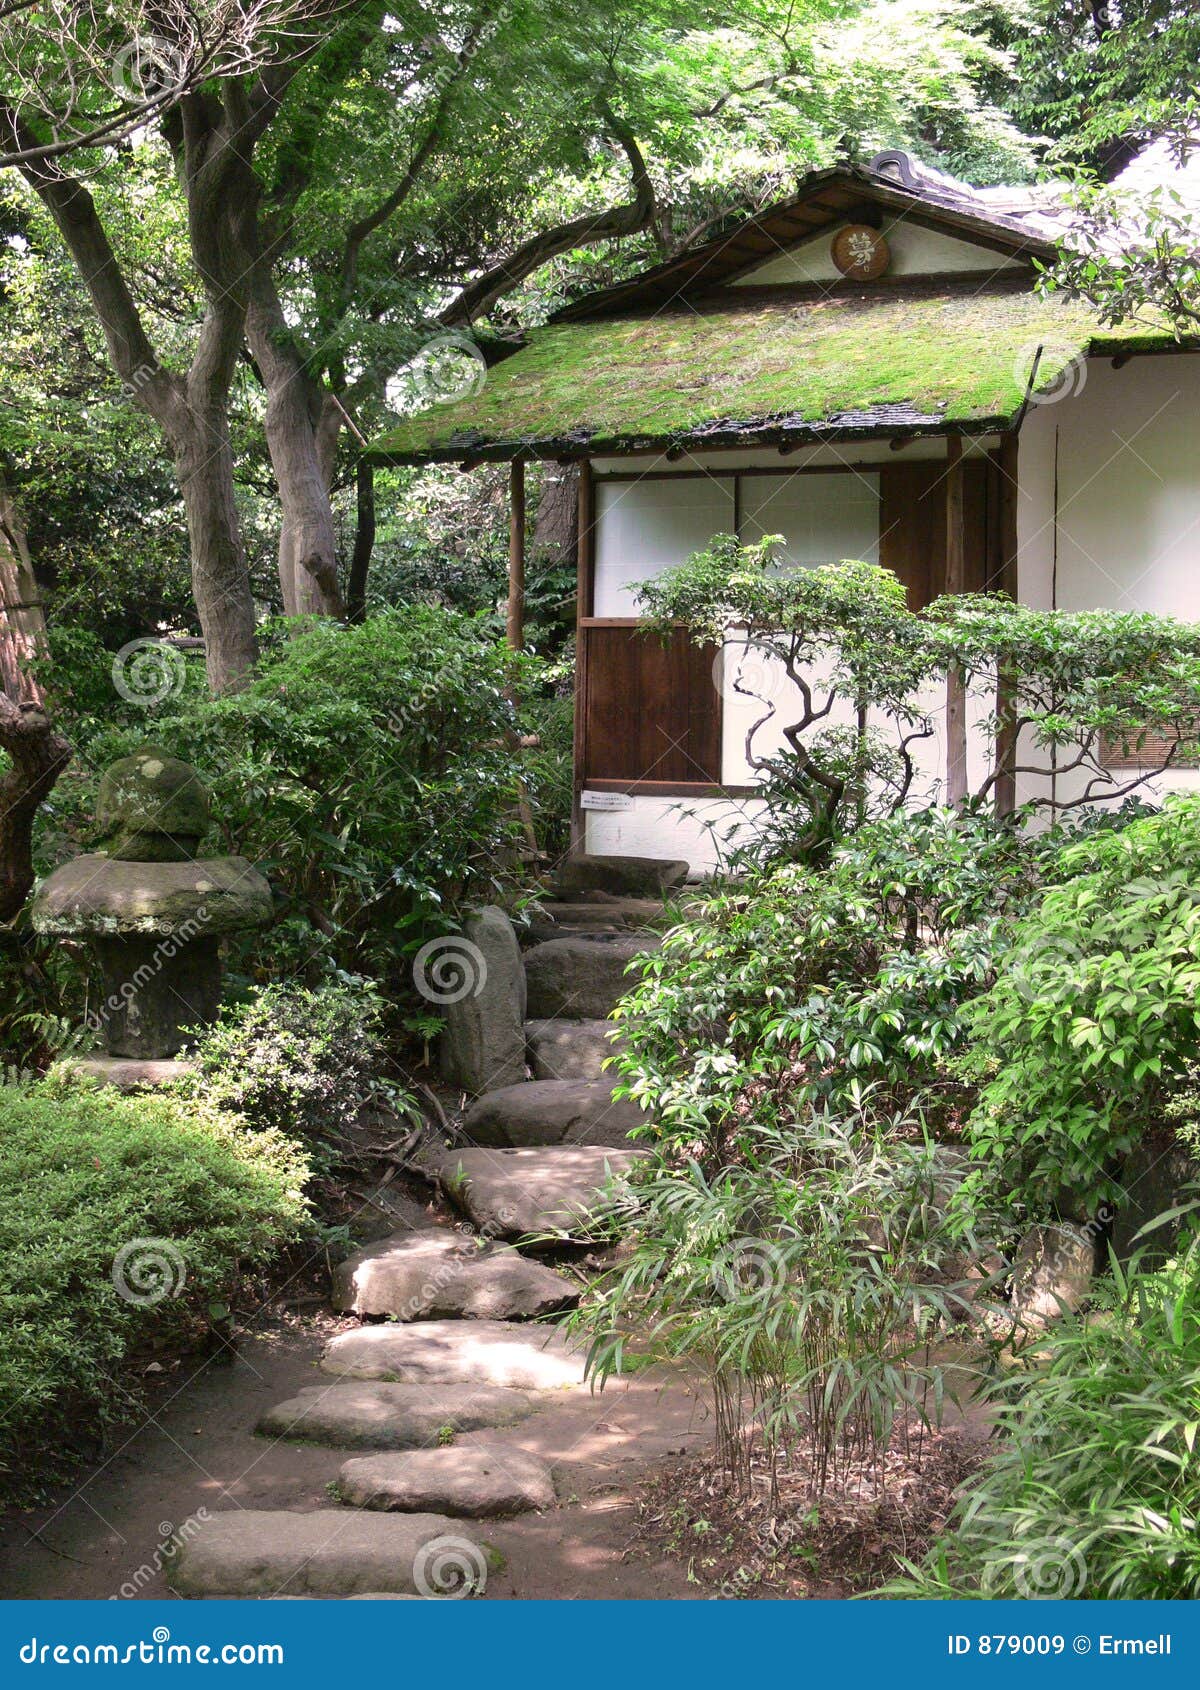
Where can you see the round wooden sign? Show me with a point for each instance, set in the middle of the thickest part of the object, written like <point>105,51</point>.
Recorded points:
<point>861,253</point>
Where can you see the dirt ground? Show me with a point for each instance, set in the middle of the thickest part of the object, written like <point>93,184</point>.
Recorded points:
<point>197,1449</point>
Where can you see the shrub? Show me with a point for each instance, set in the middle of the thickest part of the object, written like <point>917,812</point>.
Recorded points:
<point>369,771</point>
<point>96,1188</point>
<point>1096,1492</point>
<point>809,1283</point>
<point>795,986</point>
<point>296,1060</point>
<point>1092,1019</point>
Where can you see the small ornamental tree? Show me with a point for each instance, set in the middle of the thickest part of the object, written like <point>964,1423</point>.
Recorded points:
<point>840,634</point>
<point>1105,700</point>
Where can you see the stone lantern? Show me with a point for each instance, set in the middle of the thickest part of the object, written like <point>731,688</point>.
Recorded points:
<point>151,913</point>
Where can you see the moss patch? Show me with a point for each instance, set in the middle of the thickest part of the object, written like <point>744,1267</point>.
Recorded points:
<point>878,365</point>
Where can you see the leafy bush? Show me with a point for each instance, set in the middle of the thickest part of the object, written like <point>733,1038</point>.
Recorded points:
<point>809,1283</point>
<point>296,1060</point>
<point>794,986</point>
<point>1092,1019</point>
<point>86,1175</point>
<point>369,771</point>
<point>1096,1492</point>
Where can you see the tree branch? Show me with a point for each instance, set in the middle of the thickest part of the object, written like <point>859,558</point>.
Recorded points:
<point>628,219</point>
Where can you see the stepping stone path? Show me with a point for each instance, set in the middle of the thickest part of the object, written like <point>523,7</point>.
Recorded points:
<point>436,1352</point>
<point>331,1552</point>
<point>441,1273</point>
<point>473,1483</point>
<point>515,1193</point>
<point>582,978</point>
<point>570,1050</point>
<point>387,1415</point>
<point>552,1112</point>
<point>459,1352</point>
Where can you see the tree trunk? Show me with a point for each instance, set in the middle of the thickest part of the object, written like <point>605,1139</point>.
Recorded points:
<point>307,548</point>
<point>364,542</point>
<point>220,579</point>
<point>22,620</point>
<point>38,754</point>
<point>556,527</point>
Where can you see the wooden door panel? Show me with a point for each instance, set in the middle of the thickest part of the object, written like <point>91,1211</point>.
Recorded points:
<point>912,527</point>
<point>652,710</point>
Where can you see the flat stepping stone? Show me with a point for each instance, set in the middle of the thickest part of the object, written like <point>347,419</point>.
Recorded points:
<point>474,1482</point>
<point>582,978</point>
<point>332,1552</point>
<point>512,1193</point>
<point>436,1273</point>
<point>359,1415</point>
<point>552,1112</point>
<point>571,1050</point>
<point>557,920</point>
<point>472,1355</point>
<point>622,877</point>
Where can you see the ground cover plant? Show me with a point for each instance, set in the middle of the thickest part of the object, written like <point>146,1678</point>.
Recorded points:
<point>1094,1491</point>
<point>127,1228</point>
<point>1091,1021</point>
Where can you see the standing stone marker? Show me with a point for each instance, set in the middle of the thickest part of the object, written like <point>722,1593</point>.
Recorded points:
<point>483,1046</point>
<point>152,914</point>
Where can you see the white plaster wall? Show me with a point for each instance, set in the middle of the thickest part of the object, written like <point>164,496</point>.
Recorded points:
<point>1127,532</point>
<point>914,252</point>
<point>698,831</point>
<point>644,527</point>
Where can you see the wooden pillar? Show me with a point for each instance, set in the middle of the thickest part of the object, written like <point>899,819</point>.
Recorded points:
<point>956,692</point>
<point>516,556</point>
<point>1006,739</point>
<point>584,593</point>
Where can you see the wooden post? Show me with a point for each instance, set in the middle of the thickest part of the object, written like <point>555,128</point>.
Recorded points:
<point>956,692</point>
<point>516,556</point>
<point>583,610</point>
<point>1006,740</point>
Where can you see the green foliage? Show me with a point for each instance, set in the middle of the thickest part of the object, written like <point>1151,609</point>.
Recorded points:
<point>1132,258</point>
<point>1080,683</point>
<point>298,1061</point>
<point>808,1282</point>
<point>797,986</point>
<point>808,644</point>
<point>86,1172</point>
<point>1095,1492</point>
<point>368,772</point>
<point>1092,1018</point>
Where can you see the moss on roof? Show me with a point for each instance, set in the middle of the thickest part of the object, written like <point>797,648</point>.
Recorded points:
<point>846,365</point>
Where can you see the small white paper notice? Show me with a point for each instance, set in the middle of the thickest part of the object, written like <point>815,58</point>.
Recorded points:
<point>605,800</point>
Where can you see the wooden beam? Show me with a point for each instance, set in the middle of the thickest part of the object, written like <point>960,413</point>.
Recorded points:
<point>1006,746</point>
<point>584,602</point>
<point>516,555</point>
<point>956,693</point>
